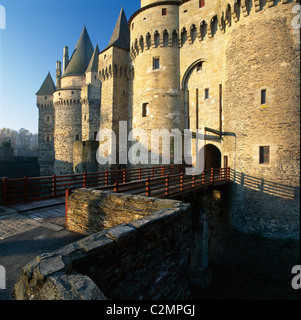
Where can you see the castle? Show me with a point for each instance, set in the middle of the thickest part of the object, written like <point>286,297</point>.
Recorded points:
<point>227,67</point>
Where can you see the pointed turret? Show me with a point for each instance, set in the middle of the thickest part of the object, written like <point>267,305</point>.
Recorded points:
<point>47,87</point>
<point>93,65</point>
<point>121,34</point>
<point>81,56</point>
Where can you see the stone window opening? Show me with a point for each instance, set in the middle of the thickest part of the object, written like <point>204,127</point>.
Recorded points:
<point>165,38</point>
<point>213,25</point>
<point>203,29</point>
<point>175,41</point>
<point>141,43</point>
<point>145,110</point>
<point>148,40</point>
<point>164,12</point>
<point>47,118</point>
<point>193,33</point>
<point>77,137</point>
<point>156,63</point>
<point>264,155</point>
<point>183,36</point>
<point>157,39</point>
<point>206,96</point>
<point>263,96</point>
<point>201,3</point>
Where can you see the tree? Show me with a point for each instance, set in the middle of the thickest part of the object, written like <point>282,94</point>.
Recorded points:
<point>7,134</point>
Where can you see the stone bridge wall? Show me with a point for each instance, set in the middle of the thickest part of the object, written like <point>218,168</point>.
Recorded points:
<point>146,258</point>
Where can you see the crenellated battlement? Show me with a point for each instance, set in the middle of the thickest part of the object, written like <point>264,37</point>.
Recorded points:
<point>196,26</point>
<point>115,70</point>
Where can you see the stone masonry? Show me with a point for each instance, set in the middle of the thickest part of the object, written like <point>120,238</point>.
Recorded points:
<point>145,258</point>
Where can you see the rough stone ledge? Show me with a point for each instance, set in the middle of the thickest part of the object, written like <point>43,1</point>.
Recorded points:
<point>50,276</point>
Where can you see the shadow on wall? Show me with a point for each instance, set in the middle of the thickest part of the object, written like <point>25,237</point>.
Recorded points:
<point>264,186</point>
<point>62,167</point>
<point>264,207</point>
<point>254,234</point>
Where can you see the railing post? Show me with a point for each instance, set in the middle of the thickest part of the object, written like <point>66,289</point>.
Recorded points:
<point>162,171</point>
<point>203,178</point>
<point>147,188</point>
<point>116,187</point>
<point>25,189</point>
<point>85,180</point>
<point>124,175</point>
<point>220,174</point>
<point>193,182</point>
<point>182,182</point>
<point>54,185</point>
<point>139,174</point>
<point>106,178</point>
<point>67,194</point>
<point>212,176</point>
<point>4,191</point>
<point>153,173</point>
<point>167,186</point>
<point>228,174</point>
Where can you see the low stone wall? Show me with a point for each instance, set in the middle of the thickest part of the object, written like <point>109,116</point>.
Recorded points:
<point>90,210</point>
<point>146,259</point>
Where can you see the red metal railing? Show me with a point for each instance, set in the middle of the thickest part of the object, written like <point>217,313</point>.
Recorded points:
<point>168,186</point>
<point>41,188</point>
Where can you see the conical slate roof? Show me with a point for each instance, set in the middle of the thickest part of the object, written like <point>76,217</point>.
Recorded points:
<point>47,87</point>
<point>121,34</point>
<point>93,65</point>
<point>81,56</point>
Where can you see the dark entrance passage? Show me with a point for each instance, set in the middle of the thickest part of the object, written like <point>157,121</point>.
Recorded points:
<point>213,157</point>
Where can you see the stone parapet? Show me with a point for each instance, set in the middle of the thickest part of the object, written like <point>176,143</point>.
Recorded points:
<point>148,258</point>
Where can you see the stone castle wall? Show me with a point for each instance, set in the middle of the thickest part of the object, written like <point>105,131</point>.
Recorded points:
<point>156,86</point>
<point>46,134</point>
<point>266,196</point>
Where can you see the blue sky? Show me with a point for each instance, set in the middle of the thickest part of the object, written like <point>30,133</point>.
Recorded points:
<point>36,32</point>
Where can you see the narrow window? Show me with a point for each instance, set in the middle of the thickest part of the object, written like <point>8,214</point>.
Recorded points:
<point>85,117</point>
<point>132,25</point>
<point>156,63</point>
<point>48,139</point>
<point>202,3</point>
<point>48,119</point>
<point>77,137</point>
<point>164,12</point>
<point>145,110</point>
<point>264,155</point>
<point>95,135</point>
<point>206,93</point>
<point>263,96</point>
<point>45,97</point>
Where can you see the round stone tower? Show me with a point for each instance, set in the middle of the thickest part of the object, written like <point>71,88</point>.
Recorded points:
<point>68,106</point>
<point>155,64</point>
<point>262,110</point>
